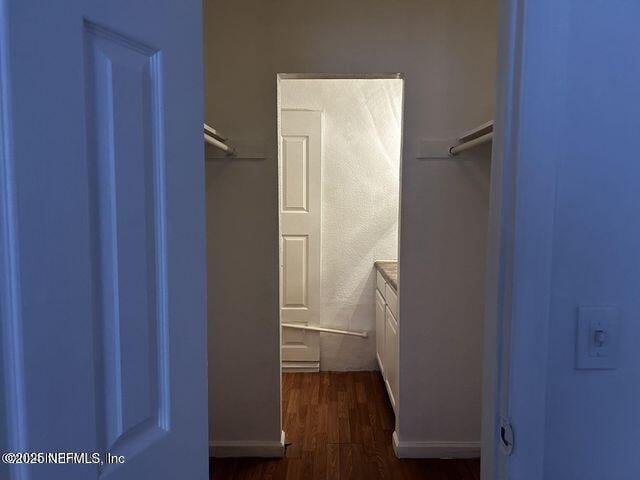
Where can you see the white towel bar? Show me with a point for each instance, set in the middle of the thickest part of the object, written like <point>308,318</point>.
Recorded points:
<point>325,330</point>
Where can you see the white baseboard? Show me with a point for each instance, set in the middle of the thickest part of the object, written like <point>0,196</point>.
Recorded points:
<point>239,448</point>
<point>435,449</point>
<point>292,367</point>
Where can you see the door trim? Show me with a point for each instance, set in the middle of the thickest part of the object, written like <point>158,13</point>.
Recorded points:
<point>520,250</point>
<point>501,233</point>
<point>339,76</point>
<point>12,401</point>
<point>501,230</point>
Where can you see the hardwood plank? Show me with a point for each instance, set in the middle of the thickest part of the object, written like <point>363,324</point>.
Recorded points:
<point>333,460</point>
<point>274,469</point>
<point>340,426</point>
<point>352,465</point>
<point>321,458</point>
<point>332,423</point>
<point>310,433</point>
<point>250,469</point>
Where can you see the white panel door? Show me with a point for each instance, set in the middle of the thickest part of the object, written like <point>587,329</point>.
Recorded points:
<point>102,243</point>
<point>300,215</point>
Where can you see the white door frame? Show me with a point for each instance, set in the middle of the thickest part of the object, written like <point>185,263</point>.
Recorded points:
<point>316,76</point>
<point>518,264</point>
<point>500,237</point>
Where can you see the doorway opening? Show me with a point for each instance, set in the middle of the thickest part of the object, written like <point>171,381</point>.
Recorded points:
<point>338,181</point>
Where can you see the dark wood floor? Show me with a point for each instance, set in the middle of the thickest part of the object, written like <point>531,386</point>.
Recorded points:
<point>339,426</point>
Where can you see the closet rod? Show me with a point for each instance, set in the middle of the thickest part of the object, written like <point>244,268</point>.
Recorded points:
<point>471,143</point>
<point>218,144</point>
<point>214,133</point>
<point>325,330</point>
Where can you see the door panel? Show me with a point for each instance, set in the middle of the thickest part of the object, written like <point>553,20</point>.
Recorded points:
<point>300,217</point>
<point>126,208</point>
<point>295,257</point>
<point>295,171</point>
<point>103,241</point>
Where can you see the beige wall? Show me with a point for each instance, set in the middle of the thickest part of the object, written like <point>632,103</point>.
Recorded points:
<point>445,50</point>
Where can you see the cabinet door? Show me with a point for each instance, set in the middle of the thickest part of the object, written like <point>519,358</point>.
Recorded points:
<point>391,356</point>
<point>380,330</point>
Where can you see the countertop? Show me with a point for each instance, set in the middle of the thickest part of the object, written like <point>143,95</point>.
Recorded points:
<point>389,270</point>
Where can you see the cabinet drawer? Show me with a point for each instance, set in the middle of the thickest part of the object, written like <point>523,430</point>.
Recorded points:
<point>380,283</point>
<point>391,298</point>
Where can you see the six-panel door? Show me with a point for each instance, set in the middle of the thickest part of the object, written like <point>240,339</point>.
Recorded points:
<point>300,235</point>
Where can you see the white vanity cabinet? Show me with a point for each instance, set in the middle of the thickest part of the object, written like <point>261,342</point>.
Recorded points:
<point>387,336</point>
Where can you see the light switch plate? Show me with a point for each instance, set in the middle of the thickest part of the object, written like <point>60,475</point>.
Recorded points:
<point>598,338</point>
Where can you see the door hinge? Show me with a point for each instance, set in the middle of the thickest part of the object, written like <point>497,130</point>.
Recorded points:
<point>506,436</point>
